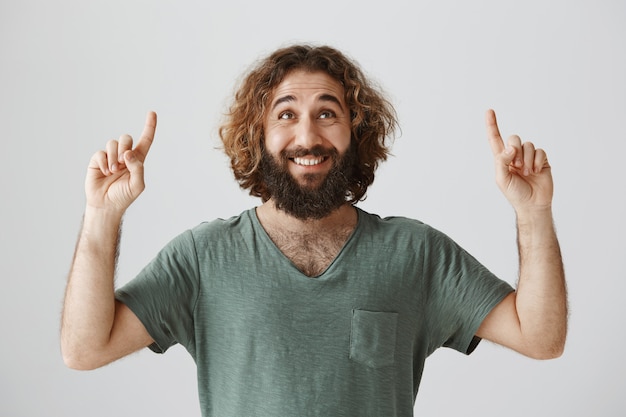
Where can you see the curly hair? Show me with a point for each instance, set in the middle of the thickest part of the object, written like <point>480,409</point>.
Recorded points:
<point>373,118</point>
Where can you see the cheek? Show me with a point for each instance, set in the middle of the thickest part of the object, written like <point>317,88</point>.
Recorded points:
<point>274,140</point>
<point>344,138</point>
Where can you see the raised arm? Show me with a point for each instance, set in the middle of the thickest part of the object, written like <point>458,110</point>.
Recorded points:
<point>533,320</point>
<point>95,329</point>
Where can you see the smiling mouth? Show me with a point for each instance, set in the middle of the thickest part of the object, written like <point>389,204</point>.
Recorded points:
<point>309,161</point>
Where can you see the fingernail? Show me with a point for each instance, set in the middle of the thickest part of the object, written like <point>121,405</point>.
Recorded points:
<point>508,150</point>
<point>114,167</point>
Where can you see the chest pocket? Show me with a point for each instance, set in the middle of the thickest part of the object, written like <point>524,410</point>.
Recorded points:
<point>373,337</point>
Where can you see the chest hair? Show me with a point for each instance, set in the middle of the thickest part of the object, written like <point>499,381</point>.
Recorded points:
<point>311,252</point>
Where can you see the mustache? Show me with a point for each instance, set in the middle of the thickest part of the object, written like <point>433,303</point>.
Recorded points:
<point>317,150</point>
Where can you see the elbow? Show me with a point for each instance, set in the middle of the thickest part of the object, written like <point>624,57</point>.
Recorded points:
<point>557,351</point>
<point>72,361</point>
<point>76,362</point>
<point>80,364</point>
<point>548,343</point>
<point>546,354</point>
<point>546,351</point>
<point>79,358</point>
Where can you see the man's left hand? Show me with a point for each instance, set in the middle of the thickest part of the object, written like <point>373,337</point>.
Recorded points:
<point>522,171</point>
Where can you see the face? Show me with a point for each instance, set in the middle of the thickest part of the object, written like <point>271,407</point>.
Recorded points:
<point>308,161</point>
<point>307,122</point>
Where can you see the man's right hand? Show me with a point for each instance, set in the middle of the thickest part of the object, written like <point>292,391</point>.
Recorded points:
<point>115,175</point>
<point>96,329</point>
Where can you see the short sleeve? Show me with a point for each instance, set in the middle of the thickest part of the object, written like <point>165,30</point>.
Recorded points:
<point>164,294</point>
<point>461,293</point>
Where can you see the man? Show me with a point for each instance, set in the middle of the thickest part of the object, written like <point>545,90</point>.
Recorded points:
<point>307,305</point>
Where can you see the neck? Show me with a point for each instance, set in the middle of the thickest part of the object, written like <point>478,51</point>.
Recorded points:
<point>271,217</point>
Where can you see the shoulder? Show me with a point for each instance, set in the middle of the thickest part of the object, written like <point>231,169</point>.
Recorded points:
<point>223,230</point>
<point>219,225</point>
<point>405,233</point>
<point>397,226</point>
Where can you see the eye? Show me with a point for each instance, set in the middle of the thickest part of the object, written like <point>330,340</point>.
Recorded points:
<point>286,115</point>
<point>327,114</point>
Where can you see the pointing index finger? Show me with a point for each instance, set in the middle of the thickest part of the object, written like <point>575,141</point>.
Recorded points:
<point>147,136</point>
<point>493,133</point>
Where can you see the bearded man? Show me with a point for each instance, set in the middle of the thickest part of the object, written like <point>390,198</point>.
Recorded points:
<point>307,305</point>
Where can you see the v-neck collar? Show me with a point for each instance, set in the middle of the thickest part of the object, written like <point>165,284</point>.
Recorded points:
<point>326,273</point>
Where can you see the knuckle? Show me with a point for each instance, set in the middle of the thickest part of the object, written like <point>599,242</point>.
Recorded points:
<point>125,138</point>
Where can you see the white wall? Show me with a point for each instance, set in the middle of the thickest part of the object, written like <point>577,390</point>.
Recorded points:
<point>74,74</point>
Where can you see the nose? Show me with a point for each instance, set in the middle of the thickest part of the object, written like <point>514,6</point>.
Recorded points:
<point>307,134</point>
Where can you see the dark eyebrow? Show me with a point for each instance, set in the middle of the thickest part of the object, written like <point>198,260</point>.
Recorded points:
<point>323,97</point>
<point>332,99</point>
<point>284,99</point>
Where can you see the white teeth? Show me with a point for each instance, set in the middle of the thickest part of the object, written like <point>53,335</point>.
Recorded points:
<point>308,162</point>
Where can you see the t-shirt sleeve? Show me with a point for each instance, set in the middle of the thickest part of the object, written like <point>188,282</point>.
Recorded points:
<point>164,294</point>
<point>462,293</point>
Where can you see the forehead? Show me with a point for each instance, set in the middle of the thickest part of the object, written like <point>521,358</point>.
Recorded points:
<point>301,83</point>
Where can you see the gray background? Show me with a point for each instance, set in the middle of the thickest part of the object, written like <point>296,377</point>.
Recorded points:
<point>74,74</point>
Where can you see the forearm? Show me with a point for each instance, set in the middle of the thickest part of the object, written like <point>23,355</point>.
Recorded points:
<point>89,307</point>
<point>541,299</point>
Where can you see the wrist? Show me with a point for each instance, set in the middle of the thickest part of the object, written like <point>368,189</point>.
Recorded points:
<point>534,214</point>
<point>101,224</point>
<point>103,214</point>
<point>534,226</point>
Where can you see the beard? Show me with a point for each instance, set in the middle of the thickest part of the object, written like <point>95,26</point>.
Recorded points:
<point>312,199</point>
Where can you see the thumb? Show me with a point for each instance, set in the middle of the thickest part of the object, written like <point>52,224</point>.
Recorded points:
<point>503,162</point>
<point>135,167</point>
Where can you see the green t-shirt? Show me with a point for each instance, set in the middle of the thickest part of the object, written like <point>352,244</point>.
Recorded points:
<point>270,341</point>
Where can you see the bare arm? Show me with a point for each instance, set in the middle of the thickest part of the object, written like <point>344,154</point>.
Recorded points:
<point>533,320</point>
<point>95,329</point>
